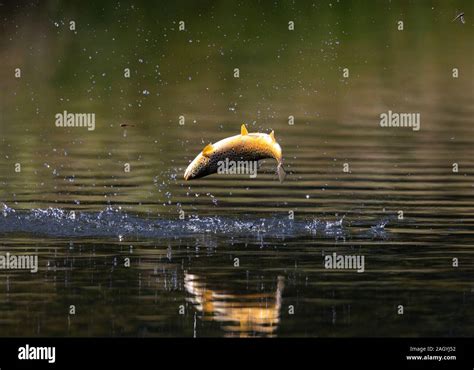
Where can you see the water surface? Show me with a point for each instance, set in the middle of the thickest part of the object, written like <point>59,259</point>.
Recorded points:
<point>73,205</point>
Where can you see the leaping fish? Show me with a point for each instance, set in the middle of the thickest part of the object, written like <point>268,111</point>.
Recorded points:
<point>244,147</point>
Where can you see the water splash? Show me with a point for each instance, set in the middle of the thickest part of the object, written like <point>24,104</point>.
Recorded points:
<point>117,223</point>
<point>378,230</point>
<point>328,228</point>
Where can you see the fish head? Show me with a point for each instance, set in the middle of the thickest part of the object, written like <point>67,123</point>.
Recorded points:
<point>199,167</point>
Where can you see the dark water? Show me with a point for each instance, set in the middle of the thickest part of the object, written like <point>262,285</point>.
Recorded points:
<point>73,205</point>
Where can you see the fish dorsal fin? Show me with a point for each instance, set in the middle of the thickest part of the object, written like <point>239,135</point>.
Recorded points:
<point>207,150</point>
<point>243,130</point>
<point>272,136</point>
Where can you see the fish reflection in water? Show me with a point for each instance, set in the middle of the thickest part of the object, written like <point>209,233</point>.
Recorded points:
<point>240,314</point>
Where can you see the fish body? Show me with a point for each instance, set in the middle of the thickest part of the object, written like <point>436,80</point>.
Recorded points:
<point>244,147</point>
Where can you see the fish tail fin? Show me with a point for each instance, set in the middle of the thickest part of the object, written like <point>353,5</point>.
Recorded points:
<point>281,172</point>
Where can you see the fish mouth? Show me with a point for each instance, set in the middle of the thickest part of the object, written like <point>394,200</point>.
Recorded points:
<point>188,174</point>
